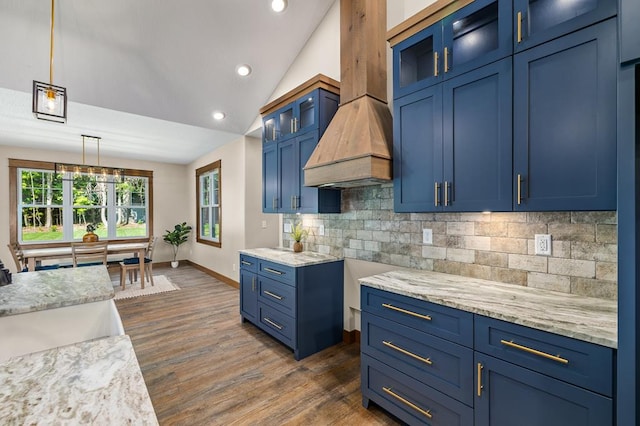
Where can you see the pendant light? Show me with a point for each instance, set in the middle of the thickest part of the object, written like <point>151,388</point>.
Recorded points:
<point>50,101</point>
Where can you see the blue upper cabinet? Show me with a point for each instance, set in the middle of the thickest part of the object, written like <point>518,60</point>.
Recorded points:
<point>538,21</point>
<point>629,17</point>
<point>473,36</point>
<point>292,126</point>
<point>565,122</point>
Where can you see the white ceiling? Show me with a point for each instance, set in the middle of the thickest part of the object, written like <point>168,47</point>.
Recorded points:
<point>145,75</point>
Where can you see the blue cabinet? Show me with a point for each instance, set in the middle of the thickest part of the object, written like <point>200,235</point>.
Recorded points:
<point>302,307</point>
<point>290,134</point>
<point>248,288</point>
<point>435,365</point>
<point>475,35</point>
<point>565,122</point>
<point>539,21</point>
<point>452,144</point>
<point>629,17</point>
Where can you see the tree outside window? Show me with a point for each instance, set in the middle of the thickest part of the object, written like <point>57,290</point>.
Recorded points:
<point>208,189</point>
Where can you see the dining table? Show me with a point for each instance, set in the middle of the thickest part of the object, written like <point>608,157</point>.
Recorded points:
<point>34,255</point>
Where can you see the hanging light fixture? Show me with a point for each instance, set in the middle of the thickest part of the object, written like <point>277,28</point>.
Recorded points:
<point>50,101</point>
<point>97,170</point>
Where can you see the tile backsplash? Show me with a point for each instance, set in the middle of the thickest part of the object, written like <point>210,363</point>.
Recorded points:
<point>493,246</point>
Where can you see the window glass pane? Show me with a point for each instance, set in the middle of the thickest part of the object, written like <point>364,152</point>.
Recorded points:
<point>131,222</point>
<point>41,188</point>
<point>205,222</point>
<point>41,224</point>
<point>216,221</point>
<point>216,189</point>
<point>89,191</point>
<point>82,216</point>
<point>205,187</point>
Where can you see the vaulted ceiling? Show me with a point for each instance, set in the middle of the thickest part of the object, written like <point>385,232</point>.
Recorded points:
<point>146,75</point>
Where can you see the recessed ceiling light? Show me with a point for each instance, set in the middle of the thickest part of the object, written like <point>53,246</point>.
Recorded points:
<point>278,5</point>
<point>243,70</point>
<point>218,115</point>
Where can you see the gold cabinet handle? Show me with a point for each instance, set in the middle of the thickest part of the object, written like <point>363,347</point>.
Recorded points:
<point>295,124</point>
<point>253,284</point>
<point>446,59</point>
<point>480,387</point>
<point>275,296</point>
<point>436,191</point>
<point>406,352</point>
<point>273,133</point>
<point>267,320</point>
<point>244,262</point>
<point>426,413</point>
<point>519,189</point>
<point>519,25</point>
<point>404,311</point>
<point>435,64</point>
<point>275,203</point>
<point>273,271</point>
<point>556,358</point>
<point>446,193</point>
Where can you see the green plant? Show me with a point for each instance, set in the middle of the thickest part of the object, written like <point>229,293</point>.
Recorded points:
<point>298,233</point>
<point>177,237</point>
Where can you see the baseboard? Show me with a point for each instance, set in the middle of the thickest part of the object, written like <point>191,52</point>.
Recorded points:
<point>214,274</point>
<point>352,336</point>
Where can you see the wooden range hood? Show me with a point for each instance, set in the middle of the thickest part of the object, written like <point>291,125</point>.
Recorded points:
<point>355,150</point>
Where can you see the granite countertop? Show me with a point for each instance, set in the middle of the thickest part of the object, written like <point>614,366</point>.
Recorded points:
<point>289,257</point>
<point>583,318</point>
<point>56,288</point>
<point>94,382</point>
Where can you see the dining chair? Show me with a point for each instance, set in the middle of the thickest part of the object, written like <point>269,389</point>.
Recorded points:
<point>21,264</point>
<point>131,265</point>
<point>89,254</point>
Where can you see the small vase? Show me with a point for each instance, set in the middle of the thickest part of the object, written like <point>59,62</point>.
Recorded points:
<point>89,237</point>
<point>297,247</point>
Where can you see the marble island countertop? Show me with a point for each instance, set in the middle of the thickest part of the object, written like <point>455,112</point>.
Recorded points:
<point>56,288</point>
<point>289,257</point>
<point>94,382</point>
<point>583,318</point>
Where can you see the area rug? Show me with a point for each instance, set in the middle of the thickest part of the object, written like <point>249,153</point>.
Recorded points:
<point>162,285</point>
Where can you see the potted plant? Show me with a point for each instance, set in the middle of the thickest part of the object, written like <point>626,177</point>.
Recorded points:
<point>177,237</point>
<point>298,234</point>
<point>90,237</point>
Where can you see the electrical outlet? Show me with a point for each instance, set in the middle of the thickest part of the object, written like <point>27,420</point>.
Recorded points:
<point>234,267</point>
<point>542,244</point>
<point>287,227</point>
<point>264,224</point>
<point>427,236</point>
<point>321,230</point>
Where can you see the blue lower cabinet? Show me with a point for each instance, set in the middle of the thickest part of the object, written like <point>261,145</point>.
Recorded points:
<point>509,395</point>
<point>302,307</point>
<point>408,399</point>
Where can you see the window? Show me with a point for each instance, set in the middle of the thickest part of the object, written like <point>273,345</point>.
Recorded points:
<point>208,184</point>
<point>53,208</point>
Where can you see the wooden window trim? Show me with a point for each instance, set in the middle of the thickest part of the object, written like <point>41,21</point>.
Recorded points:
<point>200,171</point>
<point>15,164</point>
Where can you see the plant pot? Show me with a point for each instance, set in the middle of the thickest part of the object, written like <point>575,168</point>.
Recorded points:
<point>297,247</point>
<point>174,263</point>
<point>89,237</point>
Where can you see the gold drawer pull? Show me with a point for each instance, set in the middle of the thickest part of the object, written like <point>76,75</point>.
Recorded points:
<point>519,25</point>
<point>535,352</point>
<point>406,352</point>
<point>273,271</point>
<point>404,311</point>
<point>275,296</point>
<point>278,326</point>
<point>426,413</point>
<point>480,387</point>
<point>244,262</point>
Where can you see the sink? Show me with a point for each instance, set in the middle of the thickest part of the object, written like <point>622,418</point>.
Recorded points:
<point>40,330</point>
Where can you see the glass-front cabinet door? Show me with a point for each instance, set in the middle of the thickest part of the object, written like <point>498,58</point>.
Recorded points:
<point>476,35</point>
<point>306,111</point>
<point>286,122</point>
<point>416,61</point>
<point>269,130</point>
<point>537,21</point>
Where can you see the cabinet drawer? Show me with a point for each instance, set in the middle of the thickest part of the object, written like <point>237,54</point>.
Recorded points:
<point>581,363</point>
<point>279,325</point>
<point>248,263</point>
<point>277,271</point>
<point>278,295</point>
<point>443,365</point>
<point>408,399</point>
<point>448,323</point>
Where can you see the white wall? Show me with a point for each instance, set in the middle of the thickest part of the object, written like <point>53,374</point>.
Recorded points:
<point>241,215</point>
<point>169,196</point>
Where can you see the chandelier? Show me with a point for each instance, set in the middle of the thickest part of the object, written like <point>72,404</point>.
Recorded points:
<point>97,171</point>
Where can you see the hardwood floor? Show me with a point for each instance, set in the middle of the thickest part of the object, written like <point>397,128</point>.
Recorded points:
<point>202,366</point>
